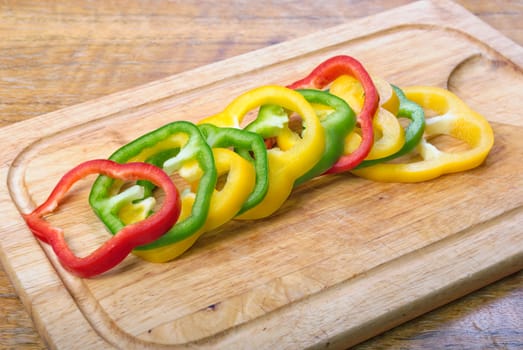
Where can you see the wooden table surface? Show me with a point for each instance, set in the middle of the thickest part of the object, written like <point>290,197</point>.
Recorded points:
<point>53,55</point>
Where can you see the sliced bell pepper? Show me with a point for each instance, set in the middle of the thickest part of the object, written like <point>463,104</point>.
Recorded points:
<point>388,97</point>
<point>226,202</point>
<point>180,148</point>
<point>413,132</point>
<point>337,121</point>
<point>249,145</point>
<point>394,142</point>
<point>389,135</point>
<point>114,250</point>
<point>285,165</point>
<point>324,74</point>
<point>454,119</point>
<point>245,185</point>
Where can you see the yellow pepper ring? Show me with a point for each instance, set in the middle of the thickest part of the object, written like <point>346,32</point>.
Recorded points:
<point>225,202</point>
<point>233,114</point>
<point>455,119</point>
<point>171,251</point>
<point>389,135</point>
<point>285,166</point>
<point>388,98</point>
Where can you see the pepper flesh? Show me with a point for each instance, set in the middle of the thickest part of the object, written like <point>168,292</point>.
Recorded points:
<point>324,74</point>
<point>250,146</point>
<point>393,144</point>
<point>226,202</point>
<point>413,132</point>
<point>114,250</point>
<point>184,151</point>
<point>455,119</point>
<point>337,125</point>
<point>335,115</point>
<point>285,165</point>
<point>389,136</point>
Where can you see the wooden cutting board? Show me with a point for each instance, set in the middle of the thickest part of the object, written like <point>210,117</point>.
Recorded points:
<point>344,259</point>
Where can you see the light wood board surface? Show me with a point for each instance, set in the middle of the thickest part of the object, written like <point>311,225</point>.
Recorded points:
<point>343,260</point>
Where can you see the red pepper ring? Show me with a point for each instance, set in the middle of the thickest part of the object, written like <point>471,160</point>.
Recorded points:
<point>115,249</point>
<point>324,74</point>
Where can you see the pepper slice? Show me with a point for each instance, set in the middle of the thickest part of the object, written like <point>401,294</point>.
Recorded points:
<point>393,100</point>
<point>180,148</point>
<point>324,74</point>
<point>413,132</point>
<point>455,119</point>
<point>250,146</point>
<point>226,201</point>
<point>285,165</point>
<point>337,122</point>
<point>114,250</point>
<point>242,187</point>
<point>389,135</point>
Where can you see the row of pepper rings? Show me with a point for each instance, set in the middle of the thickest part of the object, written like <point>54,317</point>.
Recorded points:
<point>301,131</point>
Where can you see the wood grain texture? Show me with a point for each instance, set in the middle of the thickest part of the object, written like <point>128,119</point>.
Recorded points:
<point>93,45</point>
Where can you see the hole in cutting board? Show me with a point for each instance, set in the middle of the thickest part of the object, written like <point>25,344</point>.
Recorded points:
<point>472,81</point>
